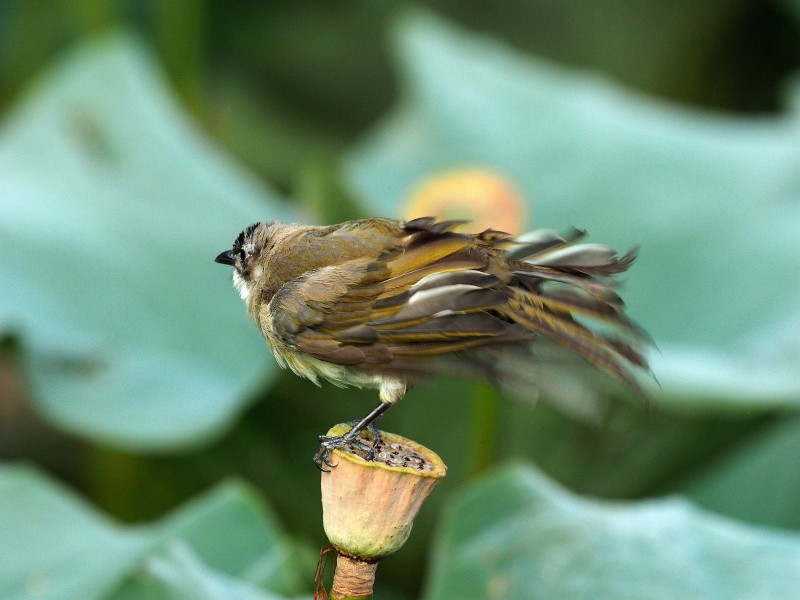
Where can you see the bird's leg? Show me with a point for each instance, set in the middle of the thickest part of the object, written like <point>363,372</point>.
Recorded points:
<point>351,438</point>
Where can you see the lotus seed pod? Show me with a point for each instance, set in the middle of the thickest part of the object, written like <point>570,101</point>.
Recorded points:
<point>369,505</point>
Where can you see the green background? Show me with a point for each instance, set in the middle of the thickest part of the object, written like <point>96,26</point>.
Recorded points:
<point>152,449</point>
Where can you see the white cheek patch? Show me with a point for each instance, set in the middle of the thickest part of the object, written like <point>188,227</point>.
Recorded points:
<point>241,285</point>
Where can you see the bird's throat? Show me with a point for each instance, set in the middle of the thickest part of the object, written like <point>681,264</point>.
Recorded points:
<point>242,286</point>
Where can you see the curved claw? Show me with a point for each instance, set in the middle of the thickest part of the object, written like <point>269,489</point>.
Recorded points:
<point>326,445</point>
<point>322,457</point>
<point>329,443</point>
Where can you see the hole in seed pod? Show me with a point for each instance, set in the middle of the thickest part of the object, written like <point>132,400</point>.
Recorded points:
<point>397,454</point>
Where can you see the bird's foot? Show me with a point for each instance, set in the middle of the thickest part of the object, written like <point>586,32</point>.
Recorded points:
<point>352,439</point>
<point>369,432</point>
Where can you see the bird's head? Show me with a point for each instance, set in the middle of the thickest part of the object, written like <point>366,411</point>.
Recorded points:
<point>244,257</point>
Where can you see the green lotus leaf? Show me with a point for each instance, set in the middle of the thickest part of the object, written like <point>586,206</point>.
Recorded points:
<point>517,534</point>
<point>55,546</point>
<point>114,207</point>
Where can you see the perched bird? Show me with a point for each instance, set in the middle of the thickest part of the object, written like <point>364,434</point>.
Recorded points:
<point>382,303</point>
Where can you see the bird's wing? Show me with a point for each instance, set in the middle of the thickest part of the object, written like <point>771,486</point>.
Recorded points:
<point>428,297</point>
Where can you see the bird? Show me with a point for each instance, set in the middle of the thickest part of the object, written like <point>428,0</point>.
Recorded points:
<point>385,303</point>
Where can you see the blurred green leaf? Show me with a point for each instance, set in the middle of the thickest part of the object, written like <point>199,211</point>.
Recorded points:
<point>517,535</point>
<point>711,199</point>
<point>178,574</point>
<point>320,192</point>
<point>792,7</point>
<point>758,481</point>
<point>52,545</point>
<point>114,209</point>
<point>638,43</point>
<point>265,136</point>
<point>255,552</point>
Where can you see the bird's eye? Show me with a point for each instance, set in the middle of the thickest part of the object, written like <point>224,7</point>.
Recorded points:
<point>241,254</point>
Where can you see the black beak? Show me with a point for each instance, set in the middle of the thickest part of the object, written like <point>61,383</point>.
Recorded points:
<point>225,258</point>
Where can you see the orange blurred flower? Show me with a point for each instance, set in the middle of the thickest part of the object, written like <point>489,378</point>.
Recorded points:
<point>486,198</point>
